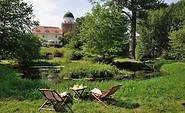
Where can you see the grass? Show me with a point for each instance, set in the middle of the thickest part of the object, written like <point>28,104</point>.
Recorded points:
<point>161,94</point>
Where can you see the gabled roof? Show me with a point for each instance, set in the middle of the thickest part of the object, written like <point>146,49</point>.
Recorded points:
<point>46,30</point>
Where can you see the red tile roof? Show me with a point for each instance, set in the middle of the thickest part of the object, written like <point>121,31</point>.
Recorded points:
<point>46,30</point>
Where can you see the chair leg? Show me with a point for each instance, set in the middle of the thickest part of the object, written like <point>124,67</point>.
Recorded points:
<point>69,108</point>
<point>99,100</point>
<point>45,103</point>
<point>63,103</point>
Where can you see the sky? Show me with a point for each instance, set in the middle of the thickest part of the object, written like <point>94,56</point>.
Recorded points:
<point>51,12</point>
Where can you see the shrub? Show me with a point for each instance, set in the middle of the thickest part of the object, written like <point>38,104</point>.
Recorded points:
<point>88,70</point>
<point>58,53</point>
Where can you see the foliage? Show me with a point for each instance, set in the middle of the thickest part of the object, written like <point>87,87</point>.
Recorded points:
<point>27,49</point>
<point>75,42</point>
<point>72,41</point>
<point>177,44</point>
<point>57,52</point>
<point>161,94</point>
<point>177,15</point>
<point>136,9</point>
<point>88,70</point>
<point>104,32</point>
<point>158,33</point>
<point>153,31</point>
<point>15,23</point>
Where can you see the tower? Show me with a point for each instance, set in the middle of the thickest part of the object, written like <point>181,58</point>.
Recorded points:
<point>68,23</point>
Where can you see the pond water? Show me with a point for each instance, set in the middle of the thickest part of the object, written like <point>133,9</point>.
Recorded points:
<point>49,73</point>
<point>144,74</point>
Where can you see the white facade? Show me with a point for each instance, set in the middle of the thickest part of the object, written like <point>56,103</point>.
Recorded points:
<point>68,20</point>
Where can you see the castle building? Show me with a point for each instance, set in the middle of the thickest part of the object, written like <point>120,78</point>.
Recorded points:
<point>50,35</point>
<point>68,23</point>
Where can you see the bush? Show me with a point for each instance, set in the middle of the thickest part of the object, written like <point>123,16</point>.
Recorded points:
<point>58,53</point>
<point>76,55</point>
<point>88,70</point>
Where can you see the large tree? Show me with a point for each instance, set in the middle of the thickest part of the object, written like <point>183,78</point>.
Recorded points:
<point>159,29</point>
<point>104,32</point>
<point>177,30</point>
<point>153,34</point>
<point>133,9</point>
<point>15,26</point>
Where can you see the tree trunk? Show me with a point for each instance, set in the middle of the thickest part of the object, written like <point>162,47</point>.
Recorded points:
<point>132,45</point>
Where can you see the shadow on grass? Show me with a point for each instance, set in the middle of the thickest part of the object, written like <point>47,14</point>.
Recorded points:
<point>123,104</point>
<point>69,103</point>
<point>65,108</point>
<point>112,101</point>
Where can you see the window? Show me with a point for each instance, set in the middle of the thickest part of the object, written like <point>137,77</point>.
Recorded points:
<point>47,31</point>
<point>37,30</point>
<point>43,36</point>
<point>56,31</point>
<point>56,36</point>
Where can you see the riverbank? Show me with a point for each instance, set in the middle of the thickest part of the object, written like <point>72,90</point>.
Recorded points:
<point>160,94</point>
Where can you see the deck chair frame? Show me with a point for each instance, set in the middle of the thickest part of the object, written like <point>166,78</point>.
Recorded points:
<point>53,98</point>
<point>105,94</point>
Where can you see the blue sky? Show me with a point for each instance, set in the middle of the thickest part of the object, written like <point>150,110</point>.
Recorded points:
<point>51,12</point>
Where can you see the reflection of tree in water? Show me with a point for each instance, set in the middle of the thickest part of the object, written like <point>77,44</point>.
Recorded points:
<point>49,73</point>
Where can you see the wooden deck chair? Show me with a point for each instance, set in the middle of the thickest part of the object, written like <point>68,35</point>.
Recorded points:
<point>102,94</point>
<point>53,98</point>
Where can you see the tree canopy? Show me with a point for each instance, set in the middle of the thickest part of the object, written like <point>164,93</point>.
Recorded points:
<point>104,32</point>
<point>136,9</point>
<point>161,32</point>
<point>15,28</point>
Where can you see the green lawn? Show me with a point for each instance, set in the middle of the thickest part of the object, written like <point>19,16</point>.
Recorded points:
<point>162,94</point>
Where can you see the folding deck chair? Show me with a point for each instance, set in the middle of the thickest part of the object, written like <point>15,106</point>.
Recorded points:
<point>53,98</point>
<point>102,94</point>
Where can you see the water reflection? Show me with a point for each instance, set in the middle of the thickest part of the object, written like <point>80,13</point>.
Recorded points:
<point>49,73</point>
<point>143,74</point>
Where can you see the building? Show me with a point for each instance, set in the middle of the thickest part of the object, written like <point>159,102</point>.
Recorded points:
<point>68,23</point>
<point>50,35</point>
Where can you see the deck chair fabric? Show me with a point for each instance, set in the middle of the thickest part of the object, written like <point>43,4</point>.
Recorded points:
<point>104,93</point>
<point>53,98</point>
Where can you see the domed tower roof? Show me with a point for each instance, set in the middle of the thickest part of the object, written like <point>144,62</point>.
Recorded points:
<point>69,14</point>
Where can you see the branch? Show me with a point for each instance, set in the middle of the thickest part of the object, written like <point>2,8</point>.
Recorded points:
<point>127,15</point>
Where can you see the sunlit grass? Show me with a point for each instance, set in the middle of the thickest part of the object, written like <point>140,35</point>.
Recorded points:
<point>160,94</point>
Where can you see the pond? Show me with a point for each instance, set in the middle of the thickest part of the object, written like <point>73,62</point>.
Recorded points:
<point>144,74</point>
<point>49,73</point>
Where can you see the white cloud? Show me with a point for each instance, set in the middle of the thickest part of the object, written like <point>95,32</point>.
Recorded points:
<point>83,12</point>
<point>50,12</point>
<point>43,5</point>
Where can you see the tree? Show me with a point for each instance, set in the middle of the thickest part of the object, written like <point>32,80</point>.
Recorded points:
<point>137,9</point>
<point>15,26</point>
<point>177,30</point>
<point>75,42</point>
<point>177,15</point>
<point>104,32</point>
<point>153,34</point>
<point>177,44</point>
<point>161,31</point>
<point>27,48</point>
